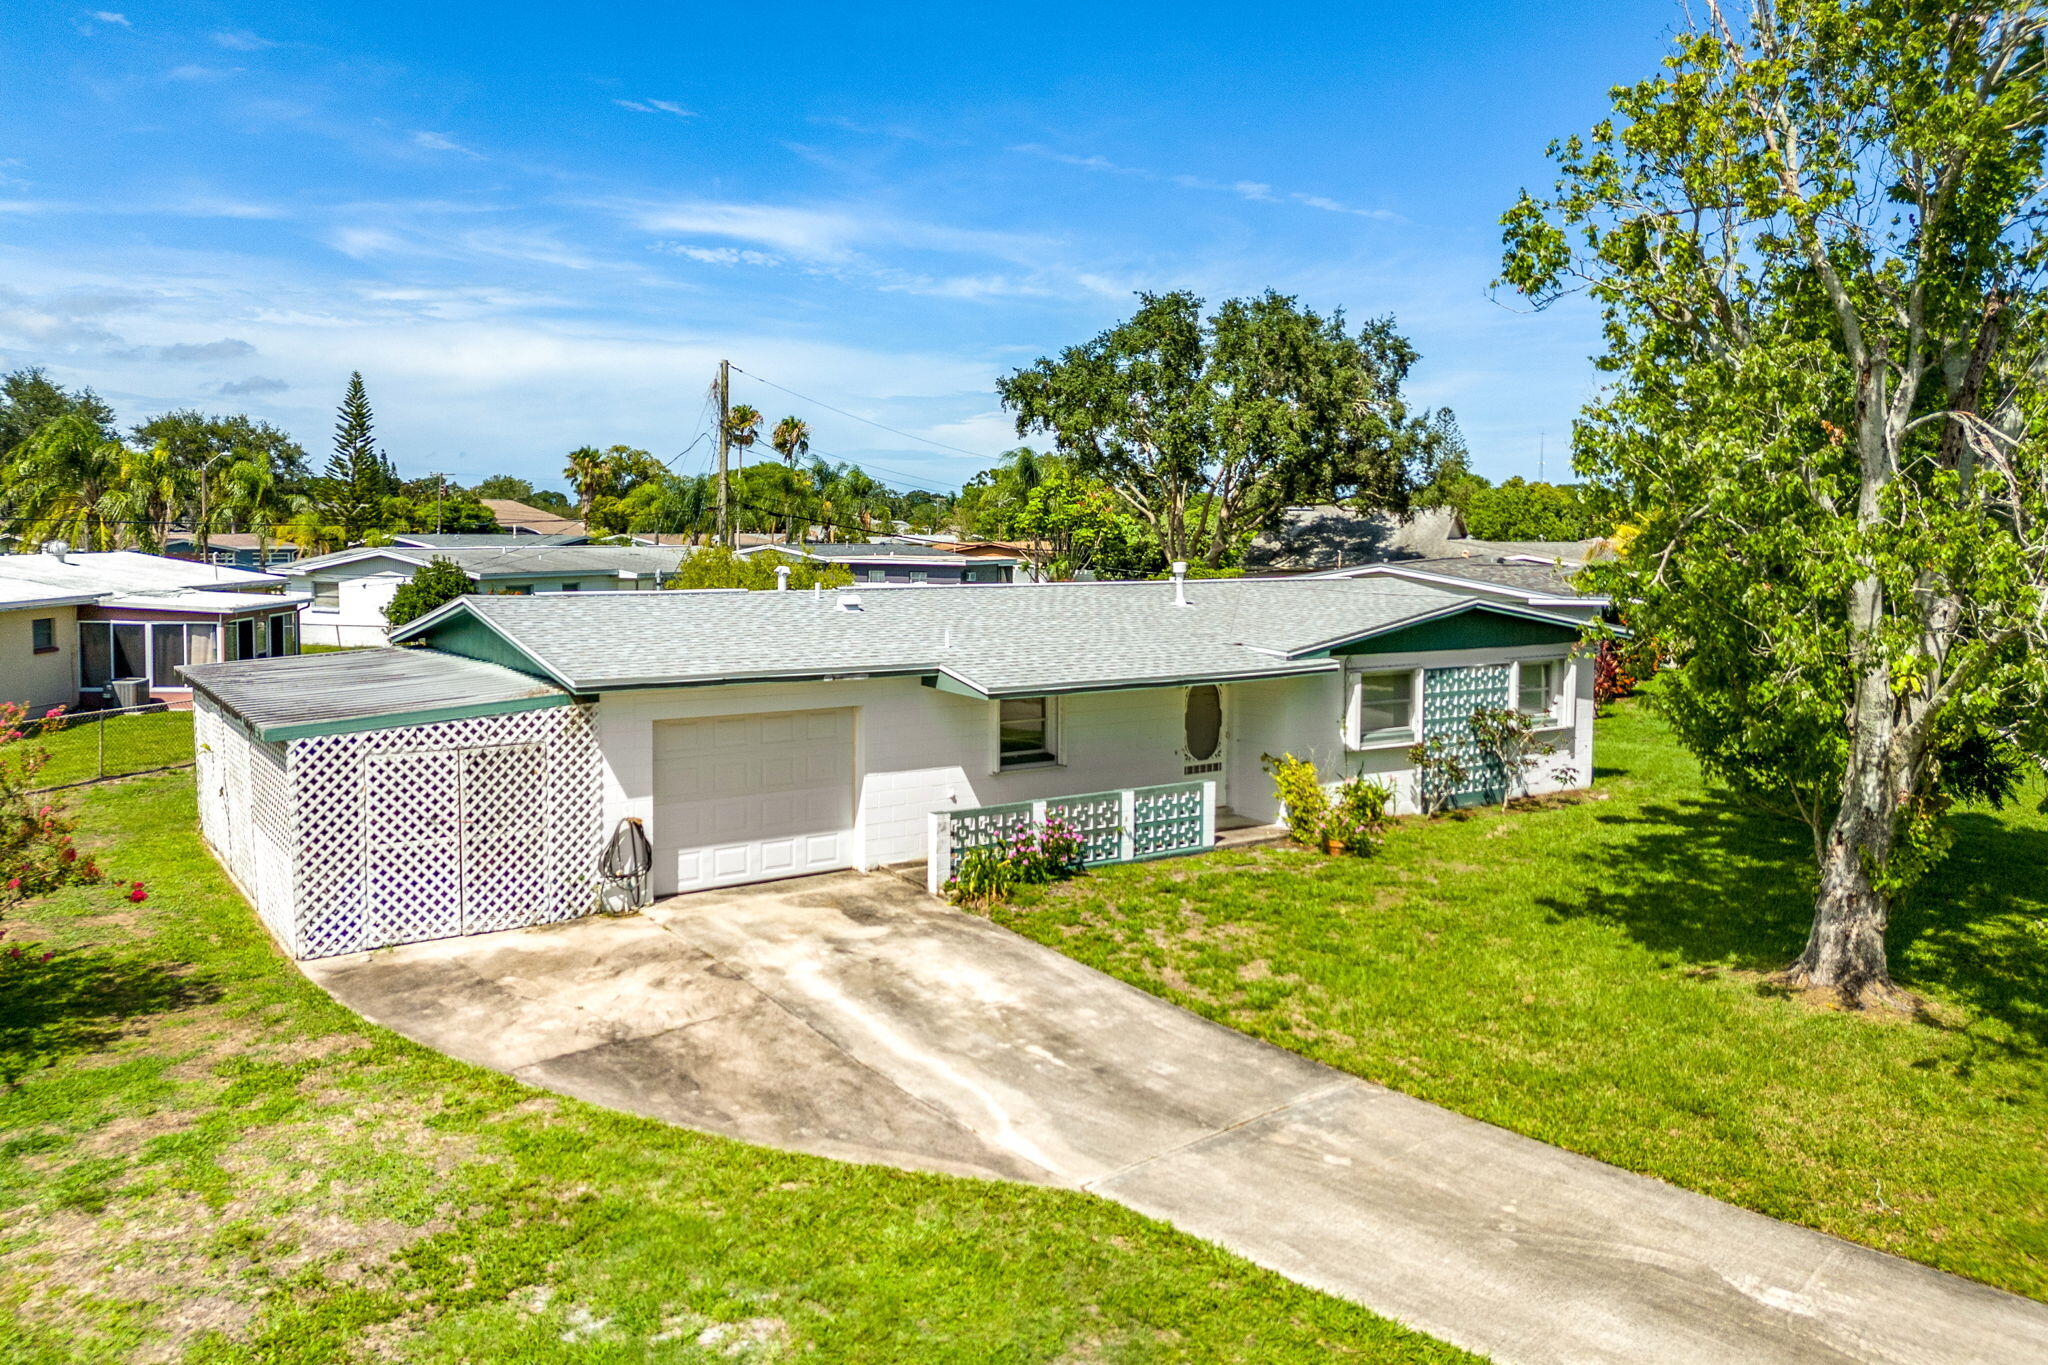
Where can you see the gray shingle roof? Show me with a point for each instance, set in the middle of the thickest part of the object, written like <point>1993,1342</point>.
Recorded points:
<point>513,561</point>
<point>335,691</point>
<point>1549,579</point>
<point>483,540</point>
<point>879,550</point>
<point>997,639</point>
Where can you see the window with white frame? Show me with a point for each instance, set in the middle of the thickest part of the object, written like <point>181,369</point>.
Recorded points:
<point>1383,707</point>
<point>326,595</point>
<point>1539,687</point>
<point>1027,732</point>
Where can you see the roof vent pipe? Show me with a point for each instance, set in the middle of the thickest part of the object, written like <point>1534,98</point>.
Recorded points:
<point>58,550</point>
<point>1180,582</point>
<point>782,578</point>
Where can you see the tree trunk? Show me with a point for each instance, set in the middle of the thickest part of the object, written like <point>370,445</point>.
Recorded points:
<point>1845,950</point>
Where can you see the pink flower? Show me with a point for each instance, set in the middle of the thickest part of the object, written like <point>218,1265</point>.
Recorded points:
<point>136,893</point>
<point>14,883</point>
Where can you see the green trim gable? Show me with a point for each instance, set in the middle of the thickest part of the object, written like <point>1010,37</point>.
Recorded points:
<point>461,632</point>
<point>1479,626</point>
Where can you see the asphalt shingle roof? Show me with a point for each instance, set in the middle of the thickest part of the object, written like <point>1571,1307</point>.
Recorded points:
<point>359,684</point>
<point>1550,579</point>
<point>999,639</point>
<point>513,561</point>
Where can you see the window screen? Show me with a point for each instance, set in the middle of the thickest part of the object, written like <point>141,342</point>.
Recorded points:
<point>166,654</point>
<point>95,654</point>
<point>1385,704</point>
<point>1538,691</point>
<point>1024,732</point>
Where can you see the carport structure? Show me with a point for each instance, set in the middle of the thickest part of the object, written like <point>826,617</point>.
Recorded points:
<point>372,797</point>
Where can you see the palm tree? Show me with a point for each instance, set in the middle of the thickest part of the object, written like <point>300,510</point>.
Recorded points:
<point>155,489</point>
<point>250,495</point>
<point>60,485</point>
<point>589,474</point>
<point>792,438</point>
<point>742,429</point>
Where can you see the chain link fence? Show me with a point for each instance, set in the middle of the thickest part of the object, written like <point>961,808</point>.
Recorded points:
<point>93,746</point>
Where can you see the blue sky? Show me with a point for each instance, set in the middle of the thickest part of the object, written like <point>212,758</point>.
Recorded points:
<point>536,227</point>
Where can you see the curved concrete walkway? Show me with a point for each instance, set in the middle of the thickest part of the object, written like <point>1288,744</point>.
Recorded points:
<point>854,1017</point>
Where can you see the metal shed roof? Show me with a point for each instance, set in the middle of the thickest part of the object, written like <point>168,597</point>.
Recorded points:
<point>365,689</point>
<point>992,640</point>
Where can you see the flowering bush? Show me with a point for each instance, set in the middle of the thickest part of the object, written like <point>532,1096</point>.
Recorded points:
<point>36,852</point>
<point>1032,856</point>
<point>1359,815</point>
<point>1613,675</point>
<point>1304,804</point>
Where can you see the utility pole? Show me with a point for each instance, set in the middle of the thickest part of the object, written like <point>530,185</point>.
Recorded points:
<point>724,387</point>
<point>439,489</point>
<point>1542,440</point>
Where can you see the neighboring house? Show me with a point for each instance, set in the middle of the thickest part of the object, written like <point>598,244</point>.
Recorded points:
<point>39,645</point>
<point>235,549</point>
<point>1522,580</point>
<point>896,562</point>
<point>520,519</point>
<point>347,591</point>
<point>1327,536</point>
<point>484,540</point>
<point>145,616</point>
<point>471,783</point>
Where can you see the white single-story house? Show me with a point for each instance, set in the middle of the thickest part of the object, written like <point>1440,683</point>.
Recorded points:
<point>898,562</point>
<point>346,592</point>
<point>472,780</point>
<point>124,614</point>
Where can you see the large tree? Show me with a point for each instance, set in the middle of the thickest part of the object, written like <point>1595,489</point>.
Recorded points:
<point>30,400</point>
<point>1207,428</point>
<point>1816,240</point>
<point>63,483</point>
<point>359,477</point>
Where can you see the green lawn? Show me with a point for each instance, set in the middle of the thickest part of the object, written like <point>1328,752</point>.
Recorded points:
<point>204,1158</point>
<point>133,744</point>
<point>1593,975</point>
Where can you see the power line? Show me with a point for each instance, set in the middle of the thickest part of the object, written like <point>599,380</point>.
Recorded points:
<point>894,431</point>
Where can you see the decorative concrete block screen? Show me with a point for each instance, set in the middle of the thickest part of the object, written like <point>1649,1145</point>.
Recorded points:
<point>364,840</point>
<point>1449,697</point>
<point>1124,826</point>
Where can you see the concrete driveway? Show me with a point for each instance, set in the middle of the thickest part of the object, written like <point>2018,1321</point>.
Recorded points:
<point>854,1017</point>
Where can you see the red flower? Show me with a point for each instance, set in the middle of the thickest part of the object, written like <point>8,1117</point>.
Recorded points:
<point>136,893</point>
<point>14,883</point>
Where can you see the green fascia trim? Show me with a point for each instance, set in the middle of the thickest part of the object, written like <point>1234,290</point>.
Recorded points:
<point>945,682</point>
<point>1479,626</point>
<point>428,716</point>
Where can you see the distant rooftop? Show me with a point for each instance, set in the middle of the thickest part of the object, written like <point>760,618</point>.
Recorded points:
<point>1328,536</point>
<point>128,572</point>
<point>519,516</point>
<point>466,540</point>
<point>511,560</point>
<point>887,549</point>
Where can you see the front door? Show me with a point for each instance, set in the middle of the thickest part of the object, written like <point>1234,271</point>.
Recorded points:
<point>1202,736</point>
<point>1449,697</point>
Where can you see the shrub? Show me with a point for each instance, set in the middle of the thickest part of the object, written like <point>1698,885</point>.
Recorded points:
<point>1438,772</point>
<point>36,851</point>
<point>432,585</point>
<point>1304,805</point>
<point>1360,814</point>
<point>1034,855</point>
<point>1613,678</point>
<point>1508,737</point>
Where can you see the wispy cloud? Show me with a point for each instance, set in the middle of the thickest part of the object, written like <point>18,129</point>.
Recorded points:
<point>1256,191</point>
<point>254,384</point>
<point>109,17</point>
<point>656,107</point>
<point>718,255</point>
<point>441,142</point>
<point>227,348</point>
<point>190,206</point>
<point>242,40</point>
<point>192,71</point>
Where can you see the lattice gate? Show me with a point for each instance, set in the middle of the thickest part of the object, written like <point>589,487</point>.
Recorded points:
<point>1449,697</point>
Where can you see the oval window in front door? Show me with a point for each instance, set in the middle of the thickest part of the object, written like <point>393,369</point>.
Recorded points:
<point>1203,723</point>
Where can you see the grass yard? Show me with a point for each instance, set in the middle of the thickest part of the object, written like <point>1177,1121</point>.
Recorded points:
<point>203,1158</point>
<point>137,743</point>
<point>1592,975</point>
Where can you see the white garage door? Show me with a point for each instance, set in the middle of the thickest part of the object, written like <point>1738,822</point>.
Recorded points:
<point>749,798</point>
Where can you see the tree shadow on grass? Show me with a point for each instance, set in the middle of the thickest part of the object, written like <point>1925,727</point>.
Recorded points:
<point>78,1002</point>
<point>1714,882</point>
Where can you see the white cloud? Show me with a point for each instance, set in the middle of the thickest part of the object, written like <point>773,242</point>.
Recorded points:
<point>655,107</point>
<point>108,17</point>
<point>719,255</point>
<point>193,72</point>
<point>441,142</point>
<point>1256,191</point>
<point>242,40</point>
